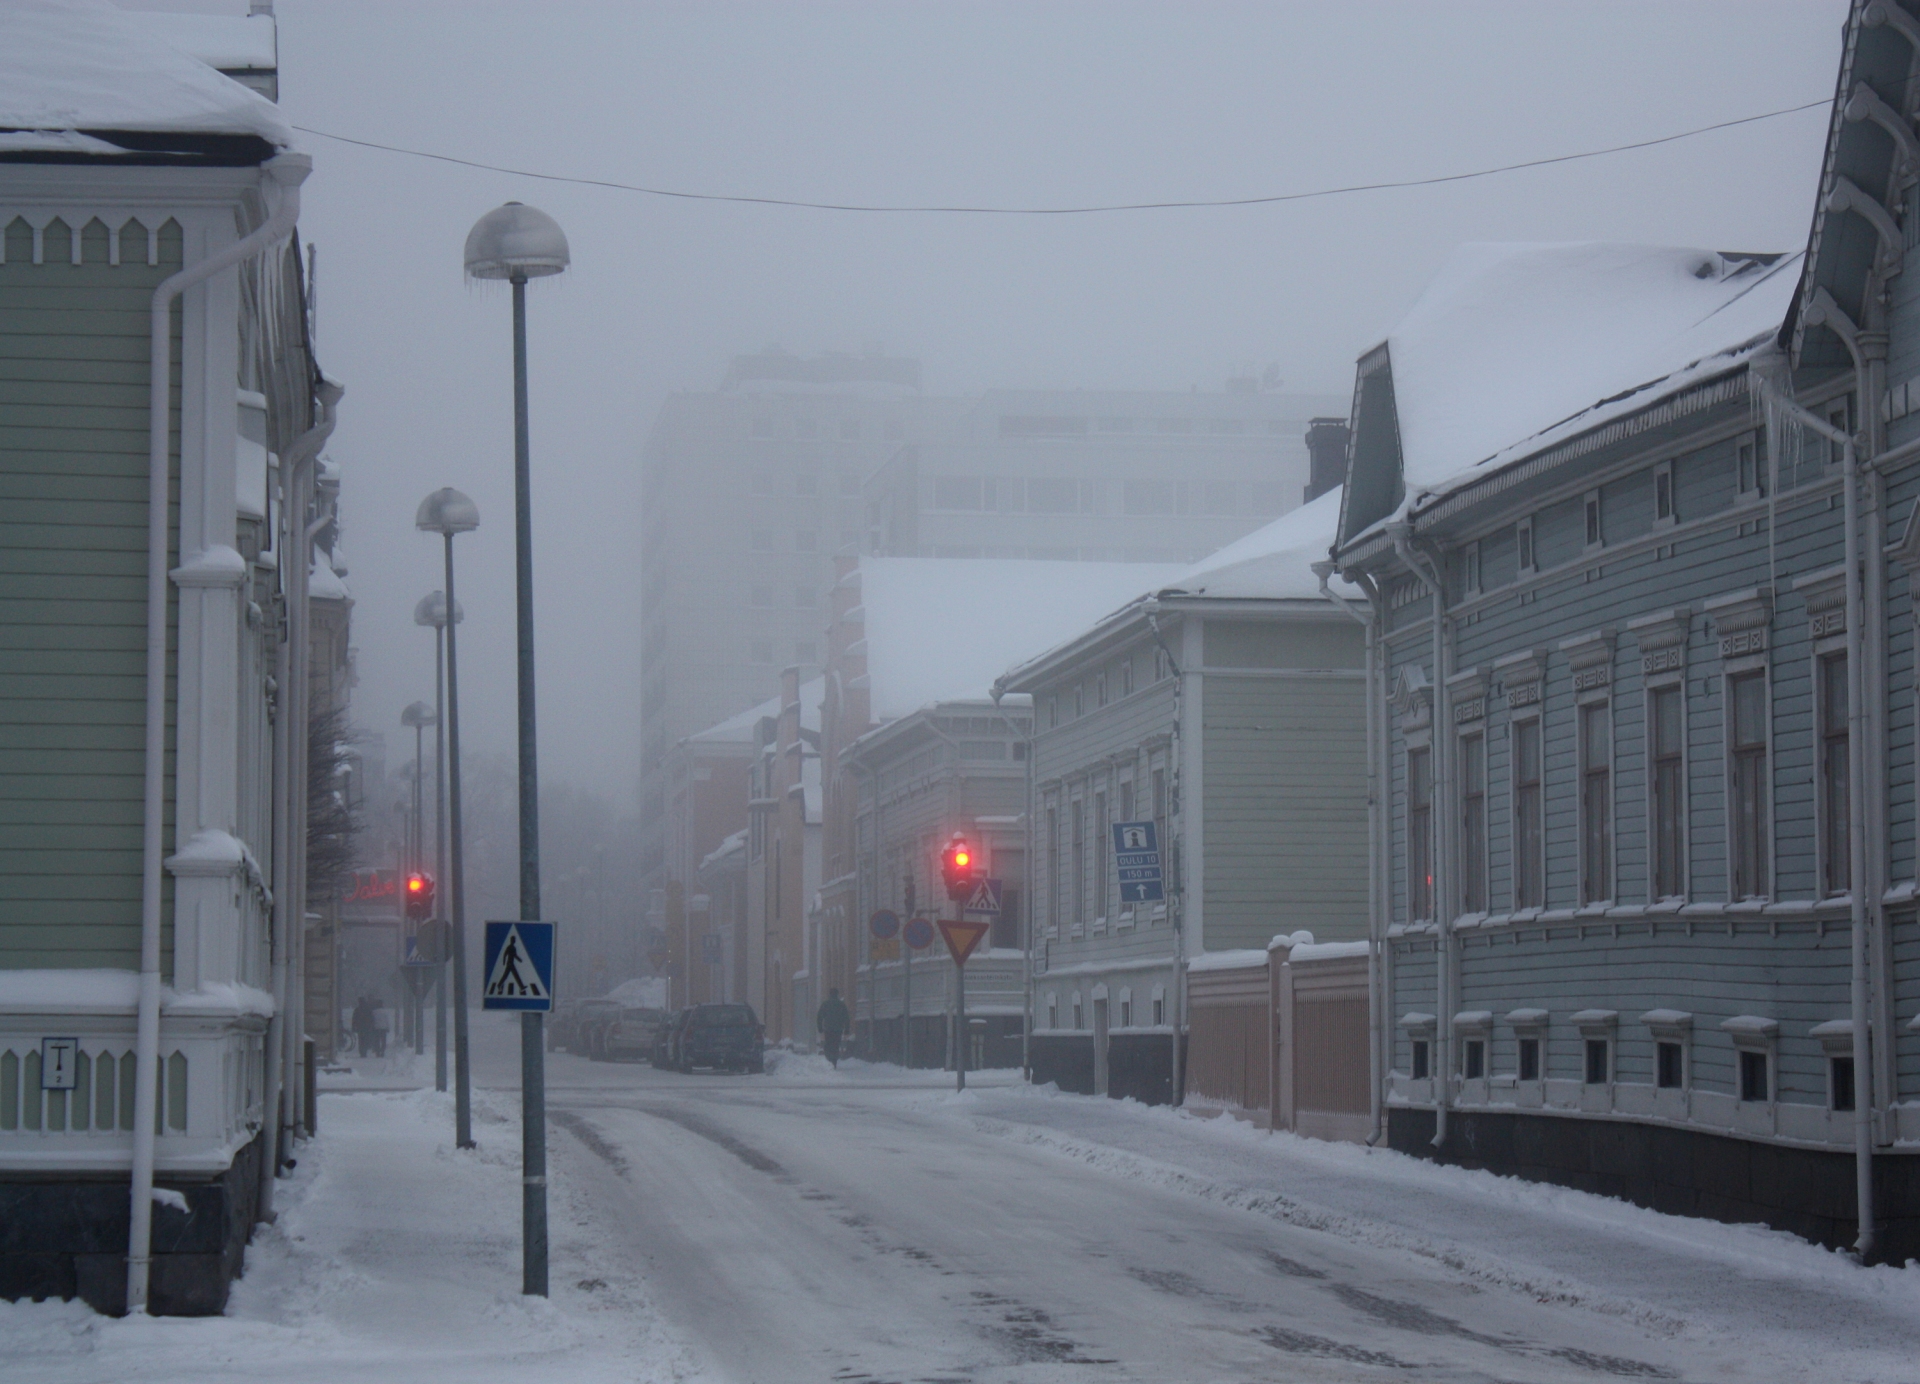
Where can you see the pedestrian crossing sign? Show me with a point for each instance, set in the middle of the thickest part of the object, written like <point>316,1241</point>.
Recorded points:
<point>519,967</point>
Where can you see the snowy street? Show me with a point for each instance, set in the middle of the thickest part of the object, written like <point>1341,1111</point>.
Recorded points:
<point>872,1225</point>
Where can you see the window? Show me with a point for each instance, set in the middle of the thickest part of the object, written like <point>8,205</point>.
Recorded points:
<point>1053,1010</point>
<point>1670,1071</point>
<point>1472,569</point>
<point>1596,803</point>
<point>1591,507</point>
<point>1078,1013</point>
<point>1836,853</point>
<point>1079,867</point>
<point>1523,544</point>
<point>1126,800</point>
<point>1754,1085</point>
<point>1100,838</point>
<point>956,492</point>
<point>1079,698</point>
<point>1663,493</point>
<point>1160,824</point>
<point>1840,415</point>
<point>1747,697</point>
<point>1529,857</point>
<point>1126,677</point>
<point>1599,1062</point>
<point>1099,689</point>
<point>1529,1059</point>
<point>1126,1011</point>
<point>1053,711</point>
<point>1419,834</point>
<point>1750,464</point>
<point>1840,1083</point>
<point>1162,665</point>
<point>1419,1059</point>
<point>1473,1059</point>
<point>1053,870</point>
<point>1473,823</point>
<point>1666,740</point>
<point>1159,1010</point>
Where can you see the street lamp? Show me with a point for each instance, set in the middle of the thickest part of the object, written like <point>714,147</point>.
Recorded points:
<point>447,512</point>
<point>418,716</point>
<point>431,609</point>
<point>516,242</point>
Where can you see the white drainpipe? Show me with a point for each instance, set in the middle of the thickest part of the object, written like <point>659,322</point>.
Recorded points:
<point>289,171</point>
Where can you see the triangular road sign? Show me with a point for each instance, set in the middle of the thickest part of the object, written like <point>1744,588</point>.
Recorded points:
<point>514,974</point>
<point>962,937</point>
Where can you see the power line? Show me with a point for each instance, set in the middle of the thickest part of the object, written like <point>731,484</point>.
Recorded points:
<point>1065,211</point>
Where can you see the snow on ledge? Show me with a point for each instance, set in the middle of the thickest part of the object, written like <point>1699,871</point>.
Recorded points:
<point>1245,959</point>
<point>107,991</point>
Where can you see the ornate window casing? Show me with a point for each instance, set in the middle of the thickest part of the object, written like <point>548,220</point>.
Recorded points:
<point>1836,1043</point>
<point>1825,594</point>
<point>1662,639</point>
<point>1472,1029</point>
<point>1672,1031</point>
<point>1755,1041</point>
<point>1419,1029</point>
<point>1740,625</point>
<point>1590,659</point>
<point>1413,703</point>
<point>1467,699</point>
<point>1522,677</point>
<point>1529,1052</point>
<point>1598,1057</point>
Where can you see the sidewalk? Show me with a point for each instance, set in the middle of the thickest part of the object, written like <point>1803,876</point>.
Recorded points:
<point>394,1258</point>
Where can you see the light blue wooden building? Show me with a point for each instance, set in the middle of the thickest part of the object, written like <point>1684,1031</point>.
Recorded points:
<point>1637,525</point>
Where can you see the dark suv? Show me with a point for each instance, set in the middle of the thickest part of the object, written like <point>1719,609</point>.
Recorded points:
<point>724,1036</point>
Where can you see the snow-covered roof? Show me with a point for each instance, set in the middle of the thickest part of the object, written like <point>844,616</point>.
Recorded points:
<point>325,584</point>
<point>943,629</point>
<point>1274,562</point>
<point>1513,345</point>
<point>229,42</point>
<point>84,65</point>
<point>740,729</point>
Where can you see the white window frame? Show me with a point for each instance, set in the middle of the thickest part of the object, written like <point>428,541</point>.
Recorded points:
<point>1602,699</point>
<point>1526,553</point>
<point>1676,683</point>
<point>1530,718</point>
<point>1593,527</point>
<point>1767,867</point>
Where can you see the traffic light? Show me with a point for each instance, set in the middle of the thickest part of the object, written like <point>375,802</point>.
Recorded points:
<point>957,867</point>
<point>419,896</point>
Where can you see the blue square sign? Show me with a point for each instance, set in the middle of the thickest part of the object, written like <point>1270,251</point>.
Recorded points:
<point>519,967</point>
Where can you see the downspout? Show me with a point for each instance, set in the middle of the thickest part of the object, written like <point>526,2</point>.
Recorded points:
<point>1178,906</point>
<point>1376,929</point>
<point>299,455</point>
<point>300,610</point>
<point>1442,814</point>
<point>289,171</point>
<point>1860,989</point>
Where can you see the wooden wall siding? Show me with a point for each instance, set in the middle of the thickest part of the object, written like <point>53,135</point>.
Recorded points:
<point>1413,971</point>
<point>1904,937</point>
<point>1715,560</point>
<point>1285,808</point>
<point>1786,971</point>
<point>1266,644</point>
<point>1229,1021</point>
<point>73,490</point>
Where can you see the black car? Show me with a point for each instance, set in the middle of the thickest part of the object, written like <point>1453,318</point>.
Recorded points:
<point>662,1054</point>
<point>723,1036</point>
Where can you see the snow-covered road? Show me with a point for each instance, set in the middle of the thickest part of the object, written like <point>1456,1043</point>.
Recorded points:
<point>870,1225</point>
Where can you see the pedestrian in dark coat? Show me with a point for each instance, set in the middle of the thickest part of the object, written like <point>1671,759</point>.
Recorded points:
<point>832,1020</point>
<point>363,1036</point>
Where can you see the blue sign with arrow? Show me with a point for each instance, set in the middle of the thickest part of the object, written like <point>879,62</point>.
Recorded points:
<point>1136,856</point>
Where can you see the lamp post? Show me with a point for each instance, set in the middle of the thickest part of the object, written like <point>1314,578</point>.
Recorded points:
<point>447,512</point>
<point>419,716</point>
<point>432,610</point>
<point>516,242</point>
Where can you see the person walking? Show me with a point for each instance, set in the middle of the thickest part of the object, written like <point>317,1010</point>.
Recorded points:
<point>363,1036</point>
<point>832,1020</point>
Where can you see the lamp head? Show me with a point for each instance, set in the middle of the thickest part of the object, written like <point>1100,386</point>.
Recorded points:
<point>431,609</point>
<point>416,715</point>
<point>516,240</point>
<point>448,512</point>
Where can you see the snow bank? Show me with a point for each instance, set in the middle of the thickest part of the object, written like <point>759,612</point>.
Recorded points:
<point>83,65</point>
<point>1512,345</point>
<point>943,629</point>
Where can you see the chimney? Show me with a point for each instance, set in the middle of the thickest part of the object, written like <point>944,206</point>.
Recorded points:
<point>1327,446</point>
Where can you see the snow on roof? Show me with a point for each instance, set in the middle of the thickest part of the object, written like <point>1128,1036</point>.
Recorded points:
<point>84,65</point>
<point>740,728</point>
<point>325,584</point>
<point>1511,341</point>
<point>229,42</point>
<point>1272,563</point>
<point>942,629</point>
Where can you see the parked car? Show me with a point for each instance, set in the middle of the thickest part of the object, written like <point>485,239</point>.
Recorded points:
<point>631,1031</point>
<point>723,1036</point>
<point>586,1029</point>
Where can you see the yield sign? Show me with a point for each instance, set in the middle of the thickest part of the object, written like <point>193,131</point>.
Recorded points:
<point>962,937</point>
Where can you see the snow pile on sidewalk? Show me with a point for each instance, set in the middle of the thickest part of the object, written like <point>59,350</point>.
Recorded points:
<point>395,1257</point>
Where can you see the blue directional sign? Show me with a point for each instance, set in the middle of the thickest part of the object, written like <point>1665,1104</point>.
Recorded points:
<point>1136,856</point>
<point>519,967</point>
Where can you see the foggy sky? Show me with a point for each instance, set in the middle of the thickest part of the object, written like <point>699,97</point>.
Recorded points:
<point>987,103</point>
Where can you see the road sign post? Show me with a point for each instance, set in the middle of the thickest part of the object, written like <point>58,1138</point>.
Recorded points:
<point>519,976</point>
<point>962,936</point>
<point>918,935</point>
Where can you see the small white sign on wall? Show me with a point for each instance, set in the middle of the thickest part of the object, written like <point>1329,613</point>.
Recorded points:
<point>59,1063</point>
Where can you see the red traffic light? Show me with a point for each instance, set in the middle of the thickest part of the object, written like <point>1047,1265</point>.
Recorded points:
<point>957,869</point>
<point>419,895</point>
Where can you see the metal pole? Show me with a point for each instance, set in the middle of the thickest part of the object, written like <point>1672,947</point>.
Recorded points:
<point>415,998</point>
<point>960,1035</point>
<point>906,1002</point>
<point>456,884</point>
<point>533,1092</point>
<point>440,844</point>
